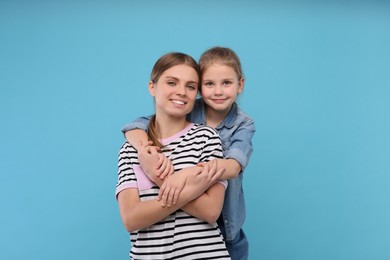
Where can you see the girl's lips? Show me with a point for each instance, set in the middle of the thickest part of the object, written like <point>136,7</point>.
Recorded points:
<point>218,100</point>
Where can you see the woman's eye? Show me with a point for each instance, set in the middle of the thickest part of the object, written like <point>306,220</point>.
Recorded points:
<point>171,83</point>
<point>193,87</point>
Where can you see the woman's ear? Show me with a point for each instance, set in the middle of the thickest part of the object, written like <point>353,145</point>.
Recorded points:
<point>151,88</point>
<point>240,85</point>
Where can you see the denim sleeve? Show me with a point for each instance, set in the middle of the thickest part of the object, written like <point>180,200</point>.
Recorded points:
<point>241,147</point>
<point>140,123</point>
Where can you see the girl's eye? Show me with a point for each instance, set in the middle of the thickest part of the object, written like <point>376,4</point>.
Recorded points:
<point>208,83</point>
<point>227,82</point>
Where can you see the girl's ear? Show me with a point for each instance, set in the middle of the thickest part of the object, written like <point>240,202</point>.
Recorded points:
<point>151,88</point>
<point>240,85</point>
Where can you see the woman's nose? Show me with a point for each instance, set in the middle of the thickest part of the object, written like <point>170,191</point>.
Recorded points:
<point>181,90</point>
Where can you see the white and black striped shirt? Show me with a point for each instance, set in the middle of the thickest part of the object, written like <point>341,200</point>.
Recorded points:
<point>180,235</point>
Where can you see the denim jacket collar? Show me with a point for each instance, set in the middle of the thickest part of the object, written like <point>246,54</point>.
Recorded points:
<point>227,122</point>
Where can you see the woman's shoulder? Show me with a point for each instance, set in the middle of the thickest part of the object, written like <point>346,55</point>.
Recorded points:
<point>203,129</point>
<point>127,148</point>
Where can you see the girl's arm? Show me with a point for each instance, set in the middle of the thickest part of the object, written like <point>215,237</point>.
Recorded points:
<point>162,166</point>
<point>136,134</point>
<point>137,138</point>
<point>231,166</point>
<point>239,150</point>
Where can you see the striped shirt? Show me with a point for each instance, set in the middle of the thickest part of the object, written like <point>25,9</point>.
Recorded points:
<point>180,235</point>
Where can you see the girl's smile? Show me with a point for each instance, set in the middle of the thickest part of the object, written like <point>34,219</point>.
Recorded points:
<point>220,87</point>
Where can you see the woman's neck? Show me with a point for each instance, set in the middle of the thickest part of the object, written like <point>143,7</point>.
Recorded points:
<point>169,126</point>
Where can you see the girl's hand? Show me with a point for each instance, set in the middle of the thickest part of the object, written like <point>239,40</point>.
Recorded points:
<point>174,184</point>
<point>201,177</point>
<point>149,160</point>
<point>197,184</point>
<point>211,172</point>
<point>165,167</point>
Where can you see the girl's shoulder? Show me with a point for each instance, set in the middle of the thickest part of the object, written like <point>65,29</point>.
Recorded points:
<point>243,119</point>
<point>242,114</point>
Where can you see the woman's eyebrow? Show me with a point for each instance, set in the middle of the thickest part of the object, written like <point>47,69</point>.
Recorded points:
<point>172,77</point>
<point>177,79</point>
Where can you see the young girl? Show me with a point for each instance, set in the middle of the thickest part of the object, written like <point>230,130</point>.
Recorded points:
<point>187,229</point>
<point>222,81</point>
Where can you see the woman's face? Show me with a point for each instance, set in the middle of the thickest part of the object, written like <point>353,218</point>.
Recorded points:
<point>220,87</point>
<point>175,91</point>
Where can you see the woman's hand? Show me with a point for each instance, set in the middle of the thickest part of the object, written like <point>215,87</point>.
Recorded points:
<point>174,184</point>
<point>203,176</point>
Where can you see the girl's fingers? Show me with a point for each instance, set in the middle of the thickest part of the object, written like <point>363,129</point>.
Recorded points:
<point>168,170</point>
<point>160,164</point>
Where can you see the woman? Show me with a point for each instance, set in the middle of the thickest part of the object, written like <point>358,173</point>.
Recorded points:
<point>188,229</point>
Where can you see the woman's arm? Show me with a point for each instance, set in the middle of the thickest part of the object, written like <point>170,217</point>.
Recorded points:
<point>137,214</point>
<point>209,205</point>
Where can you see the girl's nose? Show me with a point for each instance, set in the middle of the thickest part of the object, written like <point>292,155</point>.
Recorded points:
<point>218,90</point>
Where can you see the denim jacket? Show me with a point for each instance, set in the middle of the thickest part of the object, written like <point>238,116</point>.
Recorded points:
<point>236,132</point>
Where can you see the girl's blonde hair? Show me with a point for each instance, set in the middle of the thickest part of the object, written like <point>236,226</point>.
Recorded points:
<point>164,63</point>
<point>221,55</point>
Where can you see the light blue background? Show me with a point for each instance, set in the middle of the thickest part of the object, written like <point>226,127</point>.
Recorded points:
<point>317,85</point>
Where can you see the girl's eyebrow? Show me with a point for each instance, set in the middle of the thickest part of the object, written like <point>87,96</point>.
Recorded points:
<point>231,79</point>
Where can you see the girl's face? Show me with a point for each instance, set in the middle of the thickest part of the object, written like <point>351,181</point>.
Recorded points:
<point>175,91</point>
<point>220,87</point>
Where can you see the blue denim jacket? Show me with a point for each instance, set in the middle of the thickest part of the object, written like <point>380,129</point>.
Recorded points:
<point>236,132</point>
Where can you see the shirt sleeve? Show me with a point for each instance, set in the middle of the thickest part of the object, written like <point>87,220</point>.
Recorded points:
<point>140,123</point>
<point>241,147</point>
<point>213,150</point>
<point>126,175</point>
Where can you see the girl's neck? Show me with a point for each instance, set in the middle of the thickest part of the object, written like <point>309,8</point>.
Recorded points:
<point>215,117</point>
<point>169,126</point>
